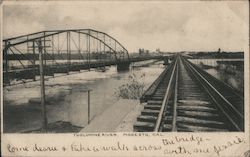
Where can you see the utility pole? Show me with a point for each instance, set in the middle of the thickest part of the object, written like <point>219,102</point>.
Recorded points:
<point>6,68</point>
<point>34,61</point>
<point>68,52</point>
<point>89,49</point>
<point>42,87</point>
<point>88,106</point>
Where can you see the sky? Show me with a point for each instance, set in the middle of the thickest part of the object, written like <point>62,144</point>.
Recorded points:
<point>170,26</point>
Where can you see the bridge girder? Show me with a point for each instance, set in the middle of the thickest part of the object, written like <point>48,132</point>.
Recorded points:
<point>108,42</point>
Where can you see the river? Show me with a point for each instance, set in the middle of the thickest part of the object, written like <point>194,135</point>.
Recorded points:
<point>67,96</point>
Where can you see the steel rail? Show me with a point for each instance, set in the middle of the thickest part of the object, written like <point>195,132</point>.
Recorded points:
<point>175,99</point>
<point>152,88</point>
<point>235,91</point>
<point>215,90</point>
<point>166,98</point>
<point>221,96</point>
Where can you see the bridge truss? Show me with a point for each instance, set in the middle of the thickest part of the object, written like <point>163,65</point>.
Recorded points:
<point>63,51</point>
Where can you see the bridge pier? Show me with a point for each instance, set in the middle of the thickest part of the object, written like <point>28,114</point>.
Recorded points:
<point>123,66</point>
<point>166,61</point>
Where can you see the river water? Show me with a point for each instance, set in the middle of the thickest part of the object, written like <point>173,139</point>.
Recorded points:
<point>67,96</point>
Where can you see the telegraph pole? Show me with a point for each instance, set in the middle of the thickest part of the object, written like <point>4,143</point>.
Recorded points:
<point>34,61</point>
<point>6,68</point>
<point>42,87</point>
<point>88,106</point>
<point>89,49</point>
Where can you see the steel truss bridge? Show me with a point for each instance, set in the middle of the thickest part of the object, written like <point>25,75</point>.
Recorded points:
<point>62,51</point>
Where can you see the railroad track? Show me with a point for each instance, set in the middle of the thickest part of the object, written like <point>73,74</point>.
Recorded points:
<point>185,98</point>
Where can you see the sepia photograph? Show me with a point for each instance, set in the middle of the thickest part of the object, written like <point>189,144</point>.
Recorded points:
<point>125,67</point>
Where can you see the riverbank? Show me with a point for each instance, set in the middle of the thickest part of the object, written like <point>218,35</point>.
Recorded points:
<point>119,117</point>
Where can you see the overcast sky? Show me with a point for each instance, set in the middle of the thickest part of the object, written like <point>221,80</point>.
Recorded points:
<point>170,26</point>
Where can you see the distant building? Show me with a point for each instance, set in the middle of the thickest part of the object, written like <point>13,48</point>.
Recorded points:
<point>143,51</point>
<point>158,50</point>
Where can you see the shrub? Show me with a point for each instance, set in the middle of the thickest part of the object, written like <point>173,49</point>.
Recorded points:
<point>133,89</point>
